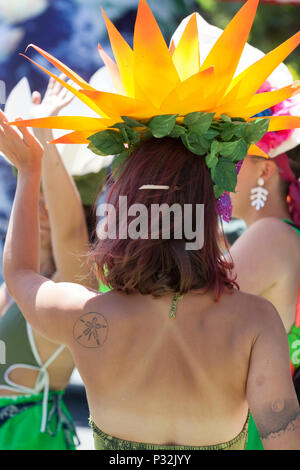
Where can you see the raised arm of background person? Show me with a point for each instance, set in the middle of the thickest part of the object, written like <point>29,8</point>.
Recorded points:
<point>270,391</point>
<point>255,253</point>
<point>69,233</point>
<point>48,306</point>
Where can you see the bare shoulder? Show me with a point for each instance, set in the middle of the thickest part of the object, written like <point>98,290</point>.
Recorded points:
<point>51,308</point>
<point>269,231</point>
<point>92,323</point>
<point>265,254</point>
<point>255,312</point>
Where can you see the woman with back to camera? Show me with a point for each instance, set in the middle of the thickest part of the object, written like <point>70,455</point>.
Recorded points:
<point>142,349</point>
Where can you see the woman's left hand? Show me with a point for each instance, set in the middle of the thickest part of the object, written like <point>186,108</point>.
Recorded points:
<point>22,149</point>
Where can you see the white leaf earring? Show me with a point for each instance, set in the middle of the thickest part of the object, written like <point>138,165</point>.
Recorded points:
<point>259,195</point>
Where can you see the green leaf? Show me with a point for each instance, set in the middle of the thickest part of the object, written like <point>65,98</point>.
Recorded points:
<point>108,142</point>
<point>239,119</point>
<point>134,136</point>
<point>199,122</point>
<point>215,147</point>
<point>225,118</point>
<point>118,163</point>
<point>162,126</point>
<point>255,130</point>
<point>218,191</point>
<point>178,131</point>
<point>234,151</point>
<point>211,134</point>
<point>228,131</point>
<point>130,136</point>
<point>123,130</point>
<point>93,149</point>
<point>225,174</point>
<point>132,122</point>
<point>239,129</point>
<point>211,160</point>
<point>193,142</point>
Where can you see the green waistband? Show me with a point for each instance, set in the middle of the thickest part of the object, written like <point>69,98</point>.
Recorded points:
<point>22,399</point>
<point>104,441</point>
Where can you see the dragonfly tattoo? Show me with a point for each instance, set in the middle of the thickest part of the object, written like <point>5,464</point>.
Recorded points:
<point>91,330</point>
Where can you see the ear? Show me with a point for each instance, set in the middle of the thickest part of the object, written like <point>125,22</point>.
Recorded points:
<point>268,169</point>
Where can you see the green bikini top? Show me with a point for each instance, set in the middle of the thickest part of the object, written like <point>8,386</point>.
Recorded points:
<point>104,441</point>
<point>289,222</point>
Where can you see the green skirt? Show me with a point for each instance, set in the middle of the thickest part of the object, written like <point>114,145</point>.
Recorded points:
<point>20,423</point>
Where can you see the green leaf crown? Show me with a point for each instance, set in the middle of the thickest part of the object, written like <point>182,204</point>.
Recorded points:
<point>222,142</point>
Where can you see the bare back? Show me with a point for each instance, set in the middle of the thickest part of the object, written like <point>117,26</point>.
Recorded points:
<point>157,379</point>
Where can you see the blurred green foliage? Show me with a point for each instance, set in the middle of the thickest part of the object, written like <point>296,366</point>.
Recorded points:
<point>273,24</point>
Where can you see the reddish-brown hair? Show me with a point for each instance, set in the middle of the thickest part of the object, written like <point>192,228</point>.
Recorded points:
<point>161,266</point>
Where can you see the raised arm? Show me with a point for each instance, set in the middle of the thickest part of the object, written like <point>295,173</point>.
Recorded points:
<point>69,233</point>
<point>49,307</point>
<point>271,395</point>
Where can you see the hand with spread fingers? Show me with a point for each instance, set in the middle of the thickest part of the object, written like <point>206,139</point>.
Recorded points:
<point>55,99</point>
<point>22,149</point>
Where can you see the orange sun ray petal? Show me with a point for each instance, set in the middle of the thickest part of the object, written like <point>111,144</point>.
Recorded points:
<point>259,102</point>
<point>69,87</point>
<point>250,80</point>
<point>181,99</point>
<point>74,138</point>
<point>123,55</point>
<point>75,123</point>
<point>113,104</point>
<point>62,67</point>
<point>113,70</point>
<point>186,56</point>
<point>227,50</point>
<point>256,151</point>
<point>281,123</point>
<point>154,69</point>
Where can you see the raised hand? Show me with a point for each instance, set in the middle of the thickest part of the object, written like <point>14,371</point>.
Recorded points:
<point>55,99</point>
<point>22,149</point>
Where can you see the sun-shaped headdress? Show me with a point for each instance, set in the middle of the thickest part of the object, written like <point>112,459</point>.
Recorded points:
<point>163,91</point>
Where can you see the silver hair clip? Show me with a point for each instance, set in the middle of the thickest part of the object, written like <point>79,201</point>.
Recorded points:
<point>154,186</point>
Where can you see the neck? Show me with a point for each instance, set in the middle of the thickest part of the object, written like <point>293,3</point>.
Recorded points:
<point>274,207</point>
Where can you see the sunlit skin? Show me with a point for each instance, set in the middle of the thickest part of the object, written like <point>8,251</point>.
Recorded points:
<point>66,242</point>
<point>267,255</point>
<point>61,369</point>
<point>188,380</point>
<point>149,363</point>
